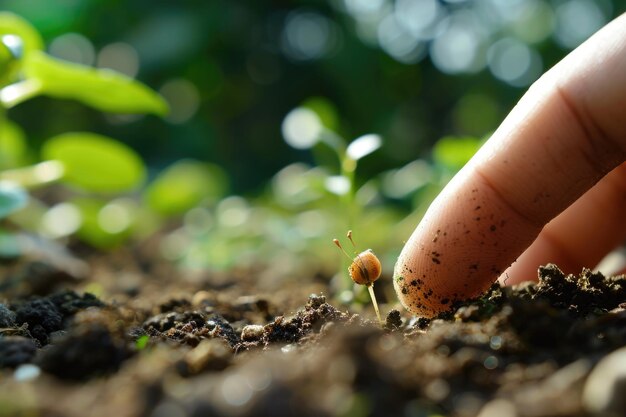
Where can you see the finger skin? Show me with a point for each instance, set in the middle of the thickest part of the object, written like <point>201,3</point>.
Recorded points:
<point>580,236</point>
<point>565,134</point>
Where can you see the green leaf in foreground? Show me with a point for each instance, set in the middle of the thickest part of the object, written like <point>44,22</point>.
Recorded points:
<point>91,229</point>
<point>103,89</point>
<point>95,162</point>
<point>12,198</point>
<point>13,145</point>
<point>12,24</point>
<point>184,185</point>
<point>11,50</point>
<point>454,152</point>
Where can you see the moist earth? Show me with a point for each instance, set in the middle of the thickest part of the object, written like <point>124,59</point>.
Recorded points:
<point>552,348</point>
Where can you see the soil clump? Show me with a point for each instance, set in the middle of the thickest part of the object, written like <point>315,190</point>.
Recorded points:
<point>528,351</point>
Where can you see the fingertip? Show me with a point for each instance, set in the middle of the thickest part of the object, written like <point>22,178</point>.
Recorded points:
<point>564,135</point>
<point>460,247</point>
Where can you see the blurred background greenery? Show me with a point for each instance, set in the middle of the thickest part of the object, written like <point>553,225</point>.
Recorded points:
<point>410,70</point>
<point>265,97</point>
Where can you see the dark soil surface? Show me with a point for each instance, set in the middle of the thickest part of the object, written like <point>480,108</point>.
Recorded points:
<point>157,345</point>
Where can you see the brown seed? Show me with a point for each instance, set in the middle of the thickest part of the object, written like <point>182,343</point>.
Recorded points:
<point>365,268</point>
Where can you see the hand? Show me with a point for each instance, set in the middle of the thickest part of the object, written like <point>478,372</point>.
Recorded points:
<point>566,138</point>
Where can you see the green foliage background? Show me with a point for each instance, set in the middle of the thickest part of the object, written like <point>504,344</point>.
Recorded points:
<point>220,174</point>
<point>231,51</point>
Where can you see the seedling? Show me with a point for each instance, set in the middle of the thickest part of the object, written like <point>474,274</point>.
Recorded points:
<point>364,269</point>
<point>92,163</point>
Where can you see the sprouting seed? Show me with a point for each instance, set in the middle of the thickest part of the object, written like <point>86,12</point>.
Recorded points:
<point>364,269</point>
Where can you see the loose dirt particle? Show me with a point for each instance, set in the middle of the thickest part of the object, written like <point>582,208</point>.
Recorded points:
<point>16,350</point>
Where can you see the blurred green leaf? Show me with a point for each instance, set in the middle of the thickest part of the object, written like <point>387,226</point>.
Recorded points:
<point>11,48</point>
<point>12,198</point>
<point>184,185</point>
<point>454,152</point>
<point>13,94</point>
<point>363,146</point>
<point>95,162</point>
<point>103,89</point>
<point>12,145</point>
<point>12,24</point>
<point>91,230</point>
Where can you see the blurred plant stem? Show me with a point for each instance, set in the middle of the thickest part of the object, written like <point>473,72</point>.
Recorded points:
<point>348,168</point>
<point>16,93</point>
<point>350,211</point>
<point>35,175</point>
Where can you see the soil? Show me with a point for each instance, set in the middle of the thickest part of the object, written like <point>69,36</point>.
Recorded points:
<point>156,343</point>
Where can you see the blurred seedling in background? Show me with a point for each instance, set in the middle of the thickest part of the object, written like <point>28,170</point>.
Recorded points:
<point>303,128</point>
<point>314,123</point>
<point>84,161</point>
<point>364,269</point>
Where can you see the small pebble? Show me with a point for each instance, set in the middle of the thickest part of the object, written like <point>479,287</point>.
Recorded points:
<point>468,313</point>
<point>498,408</point>
<point>16,350</point>
<point>393,320</point>
<point>209,355</point>
<point>288,348</point>
<point>26,372</point>
<point>252,332</point>
<point>327,327</point>
<point>201,297</point>
<point>7,317</point>
<point>603,394</point>
<point>315,300</point>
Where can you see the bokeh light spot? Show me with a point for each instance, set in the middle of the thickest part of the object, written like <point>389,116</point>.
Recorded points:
<point>198,220</point>
<point>183,99</point>
<point>114,218</point>
<point>363,146</point>
<point>308,36</point>
<point>398,42</point>
<point>419,17</point>
<point>311,224</point>
<point>337,184</point>
<point>364,8</point>
<point>235,390</point>
<point>576,20</point>
<point>233,211</point>
<point>301,128</point>
<point>535,23</point>
<point>174,246</point>
<point>61,220</point>
<point>513,62</point>
<point>456,50</point>
<point>120,57</point>
<point>73,47</point>
<point>298,184</point>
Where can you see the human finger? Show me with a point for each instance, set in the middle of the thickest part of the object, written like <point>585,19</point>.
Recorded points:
<point>580,236</point>
<point>564,135</point>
